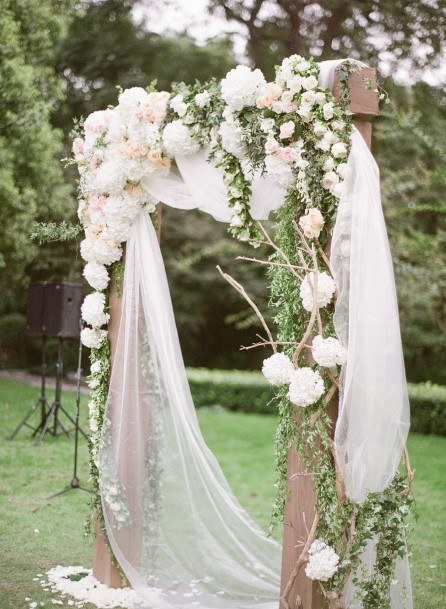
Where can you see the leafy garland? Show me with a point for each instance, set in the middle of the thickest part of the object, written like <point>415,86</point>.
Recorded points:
<point>299,136</point>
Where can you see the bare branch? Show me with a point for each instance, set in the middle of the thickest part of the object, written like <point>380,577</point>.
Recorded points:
<point>241,290</point>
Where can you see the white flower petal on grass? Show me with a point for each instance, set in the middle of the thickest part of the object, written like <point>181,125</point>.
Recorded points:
<point>277,369</point>
<point>306,387</point>
<point>326,287</point>
<point>328,352</point>
<point>322,561</point>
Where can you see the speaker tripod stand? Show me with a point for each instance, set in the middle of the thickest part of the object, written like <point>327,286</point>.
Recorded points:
<point>52,419</point>
<point>41,403</point>
<point>75,482</point>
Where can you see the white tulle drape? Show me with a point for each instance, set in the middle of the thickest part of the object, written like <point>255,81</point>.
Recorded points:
<point>186,542</point>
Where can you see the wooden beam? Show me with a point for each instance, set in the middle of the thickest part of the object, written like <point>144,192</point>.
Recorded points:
<point>104,568</point>
<point>299,507</point>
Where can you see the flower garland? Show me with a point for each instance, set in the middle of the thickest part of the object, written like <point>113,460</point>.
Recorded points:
<point>298,135</point>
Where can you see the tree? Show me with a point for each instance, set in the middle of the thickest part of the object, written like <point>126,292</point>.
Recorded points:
<point>31,178</point>
<point>410,149</point>
<point>370,30</point>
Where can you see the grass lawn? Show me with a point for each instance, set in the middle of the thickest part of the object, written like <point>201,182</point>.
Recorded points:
<point>37,533</point>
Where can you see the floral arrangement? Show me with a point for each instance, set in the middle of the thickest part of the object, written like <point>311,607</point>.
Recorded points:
<point>298,135</point>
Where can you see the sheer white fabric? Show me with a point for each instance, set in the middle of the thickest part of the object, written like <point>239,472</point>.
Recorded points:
<point>185,541</point>
<point>198,183</point>
<point>373,419</point>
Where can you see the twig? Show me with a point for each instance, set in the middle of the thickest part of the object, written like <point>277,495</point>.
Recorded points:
<point>291,267</point>
<point>241,290</point>
<point>303,558</point>
<point>410,473</point>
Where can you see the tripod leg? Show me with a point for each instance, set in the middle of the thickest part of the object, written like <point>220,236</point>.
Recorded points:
<point>24,421</point>
<point>49,416</point>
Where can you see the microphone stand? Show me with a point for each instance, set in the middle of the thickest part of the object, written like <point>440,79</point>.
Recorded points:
<point>75,482</point>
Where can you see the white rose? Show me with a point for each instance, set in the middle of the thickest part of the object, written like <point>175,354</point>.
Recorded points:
<point>309,82</point>
<point>177,104</point>
<point>202,99</point>
<point>305,113</point>
<point>320,129</point>
<point>330,180</point>
<point>308,98</point>
<point>342,170</point>
<point>328,111</point>
<point>329,164</point>
<point>339,150</point>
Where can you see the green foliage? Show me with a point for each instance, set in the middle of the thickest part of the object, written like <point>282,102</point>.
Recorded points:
<point>32,186</point>
<point>410,149</point>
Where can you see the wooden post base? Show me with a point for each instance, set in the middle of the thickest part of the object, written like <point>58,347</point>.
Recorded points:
<point>103,568</point>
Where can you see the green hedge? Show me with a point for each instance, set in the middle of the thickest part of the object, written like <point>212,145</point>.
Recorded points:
<point>249,392</point>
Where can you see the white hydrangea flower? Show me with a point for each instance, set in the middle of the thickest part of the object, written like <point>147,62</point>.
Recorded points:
<point>306,387</point>
<point>130,99</point>
<point>328,352</point>
<point>109,178</point>
<point>101,249</point>
<point>97,276</point>
<point>241,86</point>
<point>96,367</point>
<point>93,310</point>
<point>178,105</point>
<point>277,369</point>
<point>92,338</point>
<point>326,287</point>
<point>178,140</point>
<point>230,132</point>
<point>279,171</point>
<point>322,561</point>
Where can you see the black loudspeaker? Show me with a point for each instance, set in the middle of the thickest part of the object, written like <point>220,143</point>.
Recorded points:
<point>54,309</point>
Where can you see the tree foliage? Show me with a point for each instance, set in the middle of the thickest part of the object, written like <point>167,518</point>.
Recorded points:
<point>367,30</point>
<point>31,179</point>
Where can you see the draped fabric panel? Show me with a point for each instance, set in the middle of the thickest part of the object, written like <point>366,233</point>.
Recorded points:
<point>173,523</point>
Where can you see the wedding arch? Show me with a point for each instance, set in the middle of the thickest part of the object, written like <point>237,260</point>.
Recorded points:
<point>240,150</point>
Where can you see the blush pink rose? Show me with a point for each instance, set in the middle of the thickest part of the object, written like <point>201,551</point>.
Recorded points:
<point>287,154</point>
<point>78,146</point>
<point>286,130</point>
<point>272,146</point>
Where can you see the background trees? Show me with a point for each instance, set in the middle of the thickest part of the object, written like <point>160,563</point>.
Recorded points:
<point>62,60</point>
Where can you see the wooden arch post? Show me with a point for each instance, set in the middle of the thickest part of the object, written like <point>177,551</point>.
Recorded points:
<point>299,507</point>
